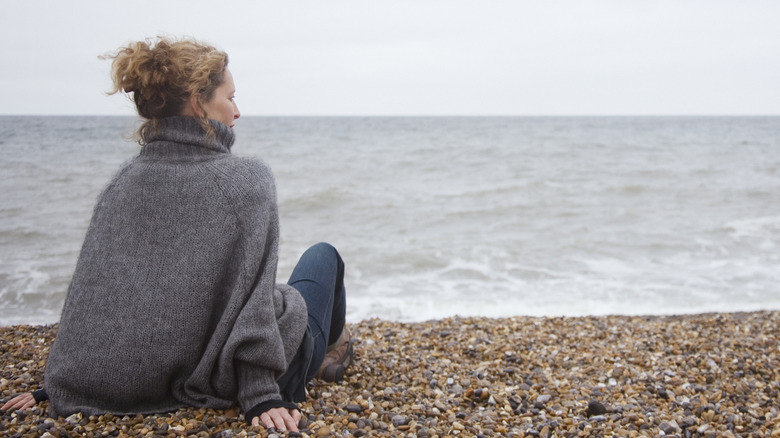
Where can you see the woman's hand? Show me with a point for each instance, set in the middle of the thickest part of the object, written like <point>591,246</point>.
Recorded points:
<point>21,402</point>
<point>281,419</point>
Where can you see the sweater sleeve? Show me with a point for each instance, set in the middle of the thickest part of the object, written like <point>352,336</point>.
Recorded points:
<point>259,363</point>
<point>40,395</point>
<point>272,320</point>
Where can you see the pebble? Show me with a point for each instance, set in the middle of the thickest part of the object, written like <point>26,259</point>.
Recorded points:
<point>708,375</point>
<point>595,408</point>
<point>354,408</point>
<point>399,420</point>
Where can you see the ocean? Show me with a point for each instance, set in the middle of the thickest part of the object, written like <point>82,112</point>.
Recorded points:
<point>444,216</point>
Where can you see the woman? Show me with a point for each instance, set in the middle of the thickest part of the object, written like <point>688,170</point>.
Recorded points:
<point>173,301</point>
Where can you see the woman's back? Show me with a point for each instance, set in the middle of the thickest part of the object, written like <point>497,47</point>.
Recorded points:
<point>169,263</point>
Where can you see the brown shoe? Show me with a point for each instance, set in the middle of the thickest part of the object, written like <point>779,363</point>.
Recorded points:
<point>337,359</point>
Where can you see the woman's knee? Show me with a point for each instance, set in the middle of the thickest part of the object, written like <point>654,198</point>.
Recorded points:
<point>323,247</point>
<point>318,263</point>
<point>322,250</point>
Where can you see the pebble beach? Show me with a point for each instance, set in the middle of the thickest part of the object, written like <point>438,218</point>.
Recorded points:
<point>705,375</point>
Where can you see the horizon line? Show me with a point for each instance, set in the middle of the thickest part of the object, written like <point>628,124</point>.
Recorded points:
<point>413,115</point>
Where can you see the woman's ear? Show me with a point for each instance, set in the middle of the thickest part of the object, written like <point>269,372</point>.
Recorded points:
<point>192,108</point>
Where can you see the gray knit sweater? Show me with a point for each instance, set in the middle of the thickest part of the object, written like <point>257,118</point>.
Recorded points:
<point>173,301</point>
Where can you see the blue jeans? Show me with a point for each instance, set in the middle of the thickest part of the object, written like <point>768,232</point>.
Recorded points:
<point>319,277</point>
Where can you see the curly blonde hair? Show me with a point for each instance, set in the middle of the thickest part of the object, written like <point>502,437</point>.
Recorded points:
<point>160,75</point>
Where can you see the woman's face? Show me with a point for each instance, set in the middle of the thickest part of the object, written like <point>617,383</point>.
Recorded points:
<point>222,107</point>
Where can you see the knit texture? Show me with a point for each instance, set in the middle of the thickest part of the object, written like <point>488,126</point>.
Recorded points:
<point>173,301</point>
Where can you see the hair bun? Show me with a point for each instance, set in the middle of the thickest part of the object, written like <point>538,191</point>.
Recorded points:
<point>162,74</point>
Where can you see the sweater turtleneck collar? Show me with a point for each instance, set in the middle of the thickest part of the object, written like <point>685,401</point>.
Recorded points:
<point>188,131</point>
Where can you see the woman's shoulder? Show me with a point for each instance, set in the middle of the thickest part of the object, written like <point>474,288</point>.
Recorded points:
<point>241,168</point>
<point>244,176</point>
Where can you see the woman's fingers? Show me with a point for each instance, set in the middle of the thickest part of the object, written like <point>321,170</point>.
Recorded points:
<point>296,416</point>
<point>20,402</point>
<point>280,419</point>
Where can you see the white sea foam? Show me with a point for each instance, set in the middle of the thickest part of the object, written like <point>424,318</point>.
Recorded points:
<point>760,227</point>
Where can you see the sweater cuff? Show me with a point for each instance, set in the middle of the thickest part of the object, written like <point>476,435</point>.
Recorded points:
<point>266,406</point>
<point>40,395</point>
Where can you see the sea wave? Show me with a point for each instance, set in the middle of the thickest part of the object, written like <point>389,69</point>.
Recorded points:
<point>440,216</point>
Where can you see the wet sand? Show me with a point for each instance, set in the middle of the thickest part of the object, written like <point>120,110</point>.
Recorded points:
<point>708,375</point>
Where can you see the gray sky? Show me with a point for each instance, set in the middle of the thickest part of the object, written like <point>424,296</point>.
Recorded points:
<point>418,57</point>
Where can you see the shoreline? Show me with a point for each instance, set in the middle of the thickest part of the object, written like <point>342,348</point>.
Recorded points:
<point>708,375</point>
